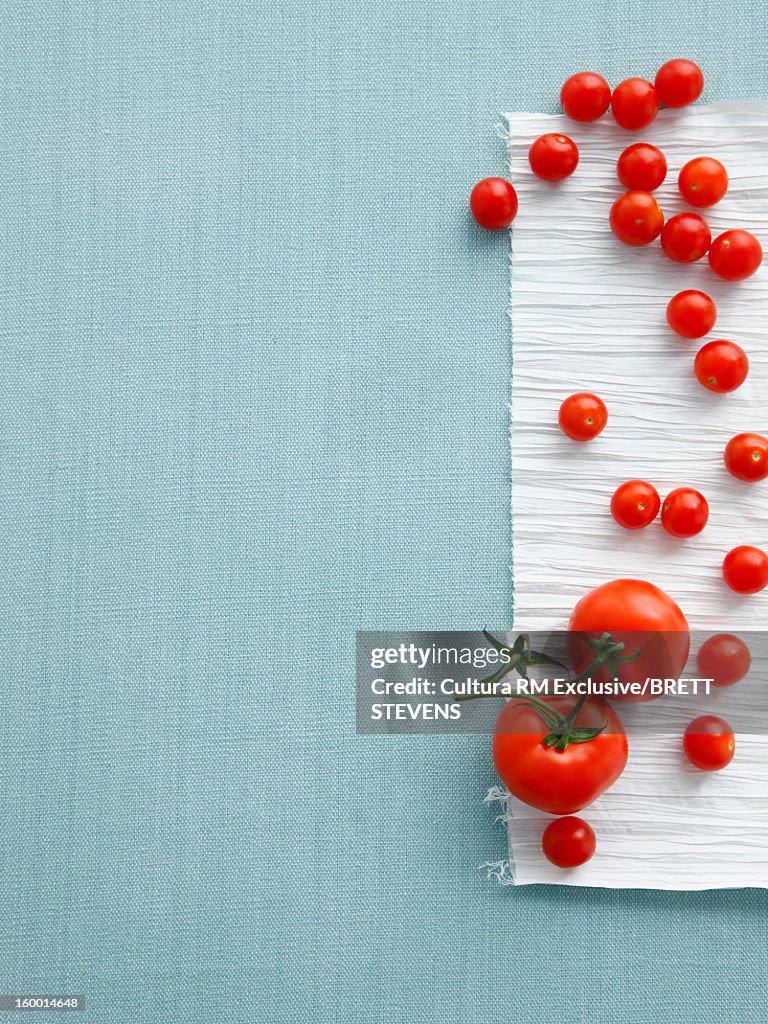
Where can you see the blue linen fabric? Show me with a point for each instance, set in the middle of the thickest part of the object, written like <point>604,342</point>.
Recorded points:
<point>253,395</point>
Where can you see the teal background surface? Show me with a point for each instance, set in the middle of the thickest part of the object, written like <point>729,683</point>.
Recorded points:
<point>254,365</point>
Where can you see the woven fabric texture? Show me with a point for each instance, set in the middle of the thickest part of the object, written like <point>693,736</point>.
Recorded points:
<point>254,390</point>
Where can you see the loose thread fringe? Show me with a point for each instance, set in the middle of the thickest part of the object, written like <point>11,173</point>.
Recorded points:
<point>502,871</point>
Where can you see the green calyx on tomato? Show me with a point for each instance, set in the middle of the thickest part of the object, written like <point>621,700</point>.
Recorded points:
<point>564,730</point>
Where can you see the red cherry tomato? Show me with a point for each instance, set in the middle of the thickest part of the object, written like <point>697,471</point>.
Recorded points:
<point>746,457</point>
<point>493,203</point>
<point>686,237</point>
<point>636,218</point>
<point>568,842</point>
<point>553,157</point>
<point>709,743</point>
<point>678,83</point>
<point>635,504</point>
<point>721,366</point>
<point>723,658</point>
<point>634,103</point>
<point>641,167</point>
<point>643,618</point>
<point>582,416</point>
<point>745,569</point>
<point>558,781</point>
<point>735,255</point>
<point>691,314</point>
<point>685,512</point>
<point>585,96</point>
<point>703,181</point>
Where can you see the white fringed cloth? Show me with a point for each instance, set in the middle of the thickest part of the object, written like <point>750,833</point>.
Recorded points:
<point>588,314</point>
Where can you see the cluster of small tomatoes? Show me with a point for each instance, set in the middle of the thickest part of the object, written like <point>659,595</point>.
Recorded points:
<point>720,366</point>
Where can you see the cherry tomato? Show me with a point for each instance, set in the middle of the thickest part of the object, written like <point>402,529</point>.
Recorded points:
<point>709,743</point>
<point>745,569</point>
<point>735,255</point>
<point>642,617</point>
<point>558,781</point>
<point>691,314</point>
<point>721,366</point>
<point>493,203</point>
<point>634,103</point>
<point>703,181</point>
<point>641,167</point>
<point>678,83</point>
<point>636,218</point>
<point>723,658</point>
<point>686,237</point>
<point>585,96</point>
<point>553,157</point>
<point>685,512</point>
<point>568,842</point>
<point>582,416</point>
<point>635,504</point>
<point>746,457</point>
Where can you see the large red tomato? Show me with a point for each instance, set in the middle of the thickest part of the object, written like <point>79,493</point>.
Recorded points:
<point>643,618</point>
<point>558,781</point>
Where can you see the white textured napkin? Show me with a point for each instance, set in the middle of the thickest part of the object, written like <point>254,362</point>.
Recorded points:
<point>588,314</point>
